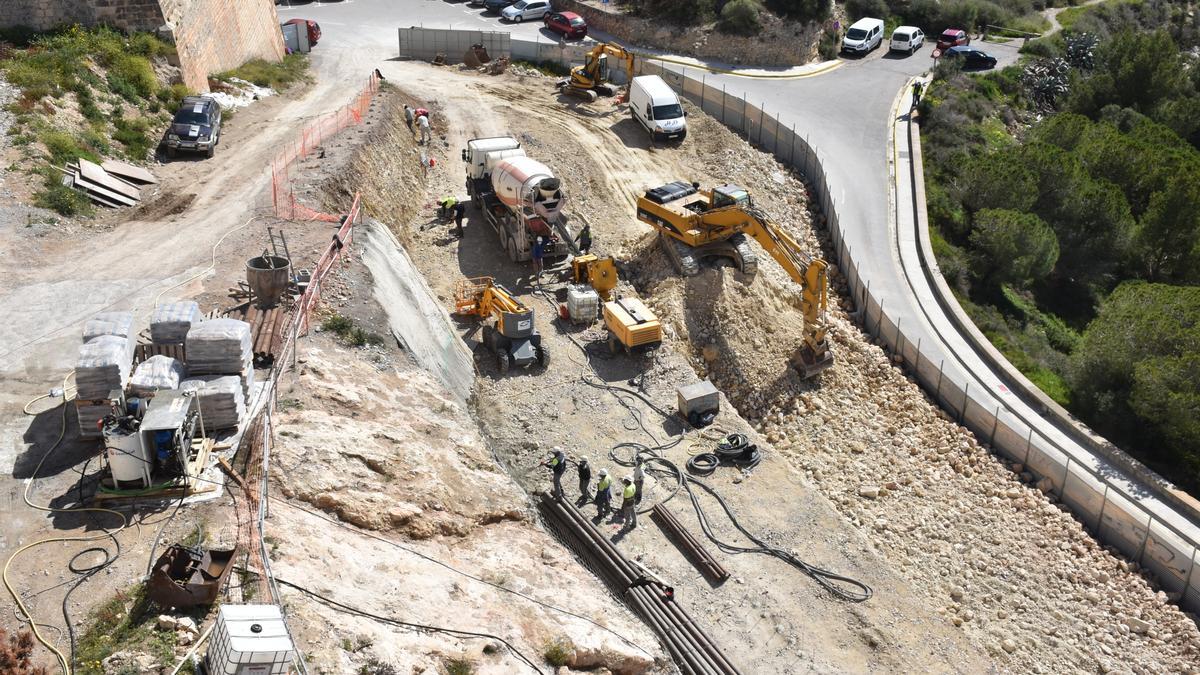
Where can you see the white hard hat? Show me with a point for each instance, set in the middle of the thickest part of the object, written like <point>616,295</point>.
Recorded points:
<point>603,472</point>
<point>628,479</point>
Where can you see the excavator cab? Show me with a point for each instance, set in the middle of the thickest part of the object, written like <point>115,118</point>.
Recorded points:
<point>730,195</point>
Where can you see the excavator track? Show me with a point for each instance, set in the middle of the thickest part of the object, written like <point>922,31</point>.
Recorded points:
<point>747,259</point>
<point>683,257</point>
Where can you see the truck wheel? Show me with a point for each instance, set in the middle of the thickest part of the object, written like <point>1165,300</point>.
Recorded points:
<point>543,355</point>
<point>170,152</point>
<point>503,362</point>
<point>510,245</point>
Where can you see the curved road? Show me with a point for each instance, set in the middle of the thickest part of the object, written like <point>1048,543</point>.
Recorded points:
<point>848,115</point>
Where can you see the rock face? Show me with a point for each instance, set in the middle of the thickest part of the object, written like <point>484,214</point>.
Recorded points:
<point>390,451</point>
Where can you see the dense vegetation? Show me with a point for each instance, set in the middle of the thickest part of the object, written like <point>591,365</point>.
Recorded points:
<point>106,77</point>
<point>1065,200</point>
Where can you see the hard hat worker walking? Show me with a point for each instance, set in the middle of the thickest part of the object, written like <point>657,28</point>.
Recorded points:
<point>585,481</point>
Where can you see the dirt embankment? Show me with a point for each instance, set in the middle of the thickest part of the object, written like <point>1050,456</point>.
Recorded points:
<point>995,570</point>
<point>368,438</point>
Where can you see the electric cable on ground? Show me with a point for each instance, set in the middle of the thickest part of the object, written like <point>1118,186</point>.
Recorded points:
<point>408,624</point>
<point>435,561</point>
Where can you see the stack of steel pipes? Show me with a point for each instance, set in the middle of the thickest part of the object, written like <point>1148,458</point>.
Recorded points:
<point>690,546</point>
<point>691,648</point>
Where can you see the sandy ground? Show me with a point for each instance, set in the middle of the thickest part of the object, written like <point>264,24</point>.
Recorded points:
<point>972,570</point>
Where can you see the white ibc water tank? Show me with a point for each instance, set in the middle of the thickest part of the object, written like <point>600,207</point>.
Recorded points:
<point>524,181</point>
<point>250,640</point>
<point>127,458</point>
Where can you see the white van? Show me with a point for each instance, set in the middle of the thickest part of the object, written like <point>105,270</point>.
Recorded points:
<point>863,36</point>
<point>906,39</point>
<point>657,108</point>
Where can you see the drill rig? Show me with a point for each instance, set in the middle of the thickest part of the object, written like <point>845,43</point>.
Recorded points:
<point>513,338</point>
<point>695,224</point>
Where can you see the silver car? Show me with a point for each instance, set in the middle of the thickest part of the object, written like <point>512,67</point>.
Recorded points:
<point>526,9</point>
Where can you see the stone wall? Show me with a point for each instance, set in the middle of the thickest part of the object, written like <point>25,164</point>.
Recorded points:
<point>210,35</point>
<point>781,43</point>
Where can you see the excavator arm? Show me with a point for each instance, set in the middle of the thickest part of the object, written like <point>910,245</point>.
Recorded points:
<point>811,274</point>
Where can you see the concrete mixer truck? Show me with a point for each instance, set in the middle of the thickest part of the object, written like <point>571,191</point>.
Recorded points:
<point>518,196</point>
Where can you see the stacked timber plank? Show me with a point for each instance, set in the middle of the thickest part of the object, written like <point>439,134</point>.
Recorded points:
<point>113,184</point>
<point>267,327</point>
<point>222,347</point>
<point>691,648</point>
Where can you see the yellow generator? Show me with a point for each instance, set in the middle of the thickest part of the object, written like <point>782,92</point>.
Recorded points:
<point>631,325</point>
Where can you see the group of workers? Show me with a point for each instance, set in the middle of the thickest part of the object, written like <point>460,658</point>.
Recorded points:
<point>631,486</point>
<point>419,117</point>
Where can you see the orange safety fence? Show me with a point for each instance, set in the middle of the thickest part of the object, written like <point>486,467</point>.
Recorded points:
<point>283,188</point>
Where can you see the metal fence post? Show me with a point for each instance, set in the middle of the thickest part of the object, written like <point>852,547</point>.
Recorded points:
<point>792,152</point>
<point>937,394</point>
<point>722,103</point>
<point>1066,472</point>
<point>1187,583</point>
<point>762,107</point>
<point>899,338</point>
<point>1145,538</point>
<point>1028,446</point>
<point>962,414</point>
<point>879,322</point>
<point>995,423</point>
<point>703,88</point>
<point>917,368</point>
<point>1100,518</point>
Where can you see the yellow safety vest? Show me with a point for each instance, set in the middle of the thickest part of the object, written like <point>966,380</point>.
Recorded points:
<point>630,491</point>
<point>604,483</point>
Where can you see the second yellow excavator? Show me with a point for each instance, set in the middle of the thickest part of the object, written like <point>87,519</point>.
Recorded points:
<point>590,80</point>
<point>695,224</point>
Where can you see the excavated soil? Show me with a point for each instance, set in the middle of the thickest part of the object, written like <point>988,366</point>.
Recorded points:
<point>972,569</point>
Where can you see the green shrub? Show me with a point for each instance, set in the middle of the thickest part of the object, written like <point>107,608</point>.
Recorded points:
<point>63,147</point>
<point>459,666</point>
<point>740,17</point>
<point>337,323</point>
<point>134,135</point>
<point>682,12</point>
<point>62,199</point>
<point>829,45</point>
<point>857,9</point>
<point>802,10</point>
<point>558,652</point>
<point>277,75</point>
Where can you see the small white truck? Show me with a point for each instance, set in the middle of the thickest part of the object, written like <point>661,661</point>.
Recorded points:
<point>519,197</point>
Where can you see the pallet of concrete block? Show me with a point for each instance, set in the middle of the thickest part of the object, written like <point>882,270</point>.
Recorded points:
<point>220,399</point>
<point>156,373</point>
<point>171,322</point>
<point>119,324</point>
<point>104,364</point>
<point>222,347</point>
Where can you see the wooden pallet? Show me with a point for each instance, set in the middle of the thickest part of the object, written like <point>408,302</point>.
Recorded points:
<point>147,349</point>
<point>183,486</point>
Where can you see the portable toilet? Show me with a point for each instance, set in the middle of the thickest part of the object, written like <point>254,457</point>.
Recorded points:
<point>249,640</point>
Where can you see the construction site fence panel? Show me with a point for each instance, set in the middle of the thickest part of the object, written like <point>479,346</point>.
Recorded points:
<point>427,44</point>
<point>286,195</point>
<point>1102,505</point>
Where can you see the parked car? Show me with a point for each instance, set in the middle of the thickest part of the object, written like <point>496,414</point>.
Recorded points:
<point>314,29</point>
<point>496,6</point>
<point>906,39</point>
<point>863,36</point>
<point>196,126</point>
<point>953,37</point>
<point>569,24</point>
<point>526,9</point>
<point>970,57</point>
<point>476,3</point>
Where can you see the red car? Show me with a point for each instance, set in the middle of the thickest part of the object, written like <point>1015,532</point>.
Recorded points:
<point>570,24</point>
<point>314,30</point>
<point>953,37</point>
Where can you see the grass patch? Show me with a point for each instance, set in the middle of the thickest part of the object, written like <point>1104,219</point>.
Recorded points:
<point>348,333</point>
<point>134,134</point>
<point>63,200</point>
<point>123,622</point>
<point>276,75</point>
<point>459,666</point>
<point>558,652</point>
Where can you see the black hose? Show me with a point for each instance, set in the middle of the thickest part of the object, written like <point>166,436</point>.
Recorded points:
<point>703,464</point>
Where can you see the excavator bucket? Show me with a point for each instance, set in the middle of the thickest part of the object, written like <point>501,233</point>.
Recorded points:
<point>809,364</point>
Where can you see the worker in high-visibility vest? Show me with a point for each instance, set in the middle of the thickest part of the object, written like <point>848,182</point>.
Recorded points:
<point>557,463</point>
<point>603,494</point>
<point>629,503</point>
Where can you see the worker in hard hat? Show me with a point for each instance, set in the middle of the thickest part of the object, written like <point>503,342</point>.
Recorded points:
<point>557,463</point>
<point>585,481</point>
<point>639,479</point>
<point>603,494</point>
<point>629,503</point>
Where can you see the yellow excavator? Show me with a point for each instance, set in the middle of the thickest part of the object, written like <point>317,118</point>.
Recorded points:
<point>695,224</point>
<point>590,80</point>
<point>513,339</point>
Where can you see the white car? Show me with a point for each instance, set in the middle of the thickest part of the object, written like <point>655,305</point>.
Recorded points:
<point>906,39</point>
<point>526,9</point>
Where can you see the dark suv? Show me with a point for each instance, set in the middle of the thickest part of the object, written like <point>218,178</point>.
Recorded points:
<point>196,127</point>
